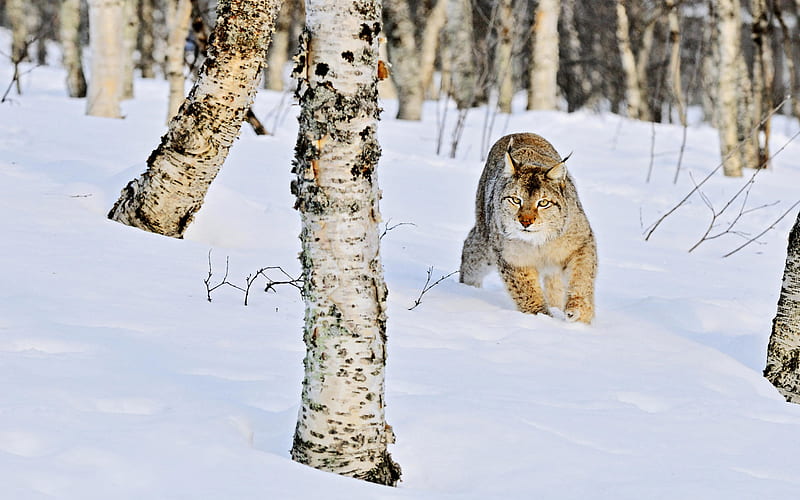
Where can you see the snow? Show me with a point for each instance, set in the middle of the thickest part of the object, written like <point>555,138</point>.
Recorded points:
<point>120,380</point>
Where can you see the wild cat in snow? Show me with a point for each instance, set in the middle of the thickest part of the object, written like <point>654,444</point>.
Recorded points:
<point>529,224</point>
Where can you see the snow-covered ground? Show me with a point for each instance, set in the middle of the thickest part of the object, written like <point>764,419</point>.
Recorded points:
<point>118,379</point>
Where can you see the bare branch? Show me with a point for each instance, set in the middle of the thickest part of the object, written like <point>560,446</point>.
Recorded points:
<point>428,285</point>
<point>762,233</point>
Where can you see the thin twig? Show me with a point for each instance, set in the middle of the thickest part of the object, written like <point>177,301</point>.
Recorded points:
<point>428,285</point>
<point>762,233</point>
<point>387,227</point>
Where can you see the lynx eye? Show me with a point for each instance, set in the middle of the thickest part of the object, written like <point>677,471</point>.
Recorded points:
<point>544,203</point>
<point>514,200</point>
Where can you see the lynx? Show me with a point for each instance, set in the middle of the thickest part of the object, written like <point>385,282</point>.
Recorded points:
<point>530,225</point>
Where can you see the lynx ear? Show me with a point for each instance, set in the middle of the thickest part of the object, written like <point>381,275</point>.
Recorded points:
<point>559,172</point>
<point>510,166</point>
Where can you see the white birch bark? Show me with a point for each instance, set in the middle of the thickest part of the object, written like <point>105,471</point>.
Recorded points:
<point>278,54</point>
<point>437,17</point>
<point>460,54</point>
<point>69,33</point>
<point>130,33</point>
<point>634,99</point>
<point>18,20</point>
<point>543,88</point>
<point>502,57</point>
<point>179,14</point>
<point>341,426</point>
<point>783,351</point>
<point>729,86</point>
<point>165,198</point>
<point>105,41</point>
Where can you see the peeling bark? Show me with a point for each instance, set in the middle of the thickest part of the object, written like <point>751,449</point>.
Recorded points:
<point>165,198</point>
<point>783,351</point>
<point>341,426</point>
<point>69,33</point>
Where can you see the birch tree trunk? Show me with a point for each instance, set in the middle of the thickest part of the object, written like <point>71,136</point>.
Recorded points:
<point>788,57</point>
<point>634,98</point>
<point>17,18</point>
<point>502,56</point>
<point>146,39</point>
<point>130,33</point>
<point>179,14</point>
<point>580,82</point>
<point>543,88</point>
<point>783,351</point>
<point>763,77</point>
<point>404,57</point>
<point>437,17</point>
<point>732,88</point>
<point>69,33</point>
<point>165,198</point>
<point>341,426</point>
<point>278,53</point>
<point>676,84</point>
<point>460,53</point>
<point>105,41</point>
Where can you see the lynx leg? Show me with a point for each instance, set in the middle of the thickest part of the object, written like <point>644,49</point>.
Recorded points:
<point>581,269</point>
<point>554,292</point>
<point>523,286</point>
<point>475,259</point>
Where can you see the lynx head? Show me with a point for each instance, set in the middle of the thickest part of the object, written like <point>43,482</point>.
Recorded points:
<point>532,200</point>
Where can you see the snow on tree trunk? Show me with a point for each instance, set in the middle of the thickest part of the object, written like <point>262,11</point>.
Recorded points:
<point>634,98</point>
<point>733,92</point>
<point>341,426</point>
<point>130,33</point>
<point>69,33</point>
<point>783,351</point>
<point>165,198</point>
<point>543,88</point>
<point>105,41</point>
<point>405,59</point>
<point>146,39</point>
<point>179,14</point>
<point>503,67</point>
<point>459,52</point>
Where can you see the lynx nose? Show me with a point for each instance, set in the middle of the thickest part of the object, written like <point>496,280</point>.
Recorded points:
<point>526,221</point>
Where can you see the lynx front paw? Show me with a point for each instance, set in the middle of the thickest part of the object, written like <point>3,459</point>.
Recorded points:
<point>579,309</point>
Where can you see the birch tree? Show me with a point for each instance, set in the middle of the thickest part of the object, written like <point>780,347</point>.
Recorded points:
<point>733,92</point>
<point>412,59</point>
<point>105,42</point>
<point>165,198</point>
<point>69,33</point>
<point>130,33</point>
<point>634,94</point>
<point>341,426</point>
<point>783,351</point>
<point>179,14</point>
<point>503,55</point>
<point>146,39</point>
<point>543,88</point>
<point>461,79</point>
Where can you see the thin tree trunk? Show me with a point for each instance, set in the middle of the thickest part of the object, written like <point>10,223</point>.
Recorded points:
<point>788,55</point>
<point>460,53</point>
<point>634,98</point>
<point>341,426</point>
<point>763,77</point>
<point>105,39</point>
<point>404,57</point>
<point>783,351</point>
<point>17,18</point>
<point>676,84</point>
<point>543,88</point>
<point>69,32</point>
<point>146,39</point>
<point>431,35</point>
<point>732,89</point>
<point>179,14</point>
<point>504,49</point>
<point>165,198</point>
<point>130,33</point>
<point>278,53</point>
<point>580,83</point>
